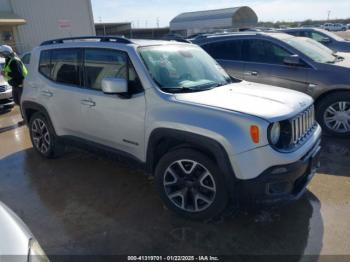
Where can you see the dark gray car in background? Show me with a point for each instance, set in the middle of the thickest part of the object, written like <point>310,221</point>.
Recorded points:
<point>329,39</point>
<point>297,63</point>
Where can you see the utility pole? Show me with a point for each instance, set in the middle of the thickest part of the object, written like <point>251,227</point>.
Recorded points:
<point>329,15</point>
<point>157,22</point>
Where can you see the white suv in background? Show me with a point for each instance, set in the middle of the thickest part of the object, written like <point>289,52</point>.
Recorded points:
<point>206,138</point>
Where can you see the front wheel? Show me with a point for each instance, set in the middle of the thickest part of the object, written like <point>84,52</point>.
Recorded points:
<point>191,184</point>
<point>333,114</point>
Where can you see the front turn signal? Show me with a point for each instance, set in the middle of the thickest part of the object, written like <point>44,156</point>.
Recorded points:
<point>255,134</point>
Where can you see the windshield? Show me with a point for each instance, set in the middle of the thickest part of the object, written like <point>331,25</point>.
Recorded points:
<point>308,47</point>
<point>180,68</point>
<point>332,35</point>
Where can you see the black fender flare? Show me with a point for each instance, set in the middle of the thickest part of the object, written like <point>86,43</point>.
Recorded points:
<point>28,105</point>
<point>189,139</point>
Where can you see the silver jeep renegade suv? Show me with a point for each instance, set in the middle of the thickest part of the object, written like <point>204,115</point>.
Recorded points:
<point>206,138</point>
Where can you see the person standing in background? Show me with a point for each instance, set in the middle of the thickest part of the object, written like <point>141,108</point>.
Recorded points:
<point>14,72</point>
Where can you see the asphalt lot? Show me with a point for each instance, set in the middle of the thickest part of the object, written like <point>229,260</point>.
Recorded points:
<point>86,203</point>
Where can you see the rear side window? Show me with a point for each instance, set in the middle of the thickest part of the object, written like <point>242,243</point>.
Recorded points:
<point>262,51</point>
<point>226,50</point>
<point>66,66</point>
<point>45,64</point>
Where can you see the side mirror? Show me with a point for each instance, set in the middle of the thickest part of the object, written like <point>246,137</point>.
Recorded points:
<point>325,40</point>
<point>114,86</point>
<point>292,60</point>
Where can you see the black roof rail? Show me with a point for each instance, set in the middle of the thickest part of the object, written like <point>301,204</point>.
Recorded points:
<point>117,39</point>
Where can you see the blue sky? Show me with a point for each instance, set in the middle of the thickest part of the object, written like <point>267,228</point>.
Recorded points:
<point>144,13</point>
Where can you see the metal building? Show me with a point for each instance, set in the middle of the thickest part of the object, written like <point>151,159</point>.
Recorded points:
<point>242,17</point>
<point>26,23</point>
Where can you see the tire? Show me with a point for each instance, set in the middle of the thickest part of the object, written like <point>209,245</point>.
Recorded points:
<point>197,190</point>
<point>333,114</point>
<point>43,137</point>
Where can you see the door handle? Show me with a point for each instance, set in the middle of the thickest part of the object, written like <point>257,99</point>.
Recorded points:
<point>47,93</point>
<point>87,102</point>
<point>251,73</point>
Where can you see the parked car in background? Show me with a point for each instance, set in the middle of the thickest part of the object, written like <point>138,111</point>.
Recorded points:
<point>297,63</point>
<point>17,243</point>
<point>329,39</point>
<point>334,27</point>
<point>6,100</point>
<point>26,58</point>
<point>171,107</point>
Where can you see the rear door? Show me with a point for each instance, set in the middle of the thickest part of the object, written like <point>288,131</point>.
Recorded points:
<point>60,89</point>
<point>113,120</point>
<point>228,53</point>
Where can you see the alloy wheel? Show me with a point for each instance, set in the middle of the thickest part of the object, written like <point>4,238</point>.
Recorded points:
<point>337,117</point>
<point>41,136</point>
<point>189,186</point>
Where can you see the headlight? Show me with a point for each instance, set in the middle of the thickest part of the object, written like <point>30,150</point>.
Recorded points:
<point>36,253</point>
<point>275,133</point>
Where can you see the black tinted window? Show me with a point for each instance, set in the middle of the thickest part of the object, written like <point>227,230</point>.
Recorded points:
<point>262,51</point>
<point>44,64</point>
<point>227,50</point>
<point>102,63</point>
<point>66,66</point>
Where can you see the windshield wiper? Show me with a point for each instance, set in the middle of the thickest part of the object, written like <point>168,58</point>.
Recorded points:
<point>183,89</point>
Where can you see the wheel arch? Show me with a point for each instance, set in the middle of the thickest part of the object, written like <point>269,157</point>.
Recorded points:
<point>332,91</point>
<point>30,108</point>
<point>163,140</point>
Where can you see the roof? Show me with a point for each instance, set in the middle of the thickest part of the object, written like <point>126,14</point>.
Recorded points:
<point>215,37</point>
<point>236,17</point>
<point>8,18</point>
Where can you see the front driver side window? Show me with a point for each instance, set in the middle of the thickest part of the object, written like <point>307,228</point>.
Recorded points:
<point>102,63</point>
<point>318,37</point>
<point>262,51</point>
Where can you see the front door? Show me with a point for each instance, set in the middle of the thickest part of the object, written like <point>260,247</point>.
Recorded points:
<point>113,120</point>
<point>265,64</point>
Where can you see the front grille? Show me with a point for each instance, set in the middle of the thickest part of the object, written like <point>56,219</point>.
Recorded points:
<point>302,125</point>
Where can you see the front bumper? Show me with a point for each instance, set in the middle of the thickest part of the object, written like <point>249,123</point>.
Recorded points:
<point>281,183</point>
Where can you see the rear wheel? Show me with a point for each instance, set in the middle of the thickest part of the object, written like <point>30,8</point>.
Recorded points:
<point>43,137</point>
<point>333,114</point>
<point>191,184</point>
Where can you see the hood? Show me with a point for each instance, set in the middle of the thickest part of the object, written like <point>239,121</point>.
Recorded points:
<point>346,61</point>
<point>343,46</point>
<point>268,102</point>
